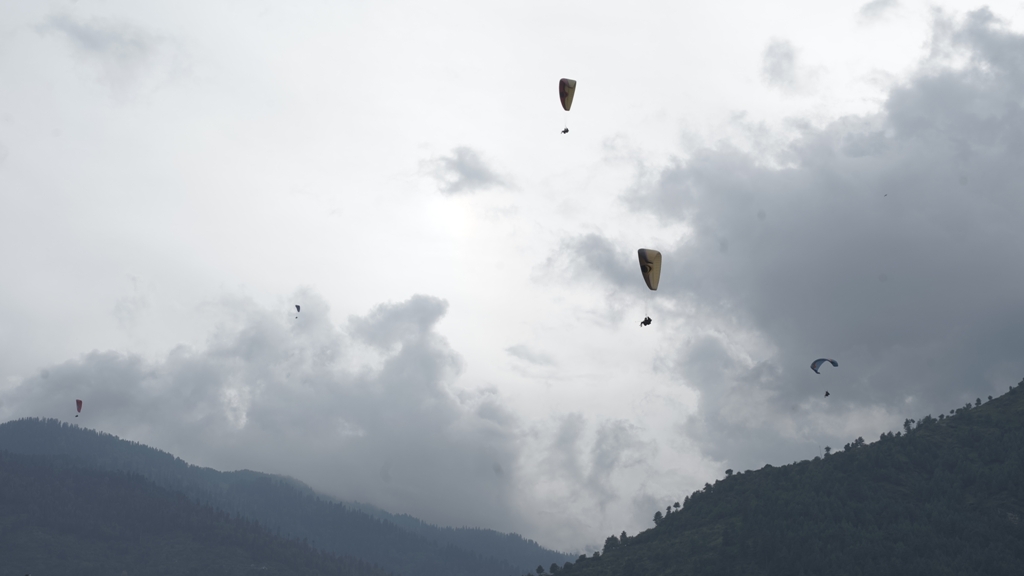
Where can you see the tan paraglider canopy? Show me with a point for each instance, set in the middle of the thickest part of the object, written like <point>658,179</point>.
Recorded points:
<point>650,265</point>
<point>566,88</point>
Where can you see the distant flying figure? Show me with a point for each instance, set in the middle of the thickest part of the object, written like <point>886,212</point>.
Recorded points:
<point>817,364</point>
<point>566,90</point>
<point>650,267</point>
<point>297,309</point>
<point>78,404</point>
<point>826,394</point>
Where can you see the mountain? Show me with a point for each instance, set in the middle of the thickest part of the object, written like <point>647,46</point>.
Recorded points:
<point>945,496</point>
<point>397,543</point>
<point>60,518</point>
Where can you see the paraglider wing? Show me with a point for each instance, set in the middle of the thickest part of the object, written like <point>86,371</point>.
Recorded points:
<point>78,404</point>
<point>650,266</point>
<point>817,364</point>
<point>566,90</point>
<point>297,309</point>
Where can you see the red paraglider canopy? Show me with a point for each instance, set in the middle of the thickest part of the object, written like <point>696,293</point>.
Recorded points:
<point>78,403</point>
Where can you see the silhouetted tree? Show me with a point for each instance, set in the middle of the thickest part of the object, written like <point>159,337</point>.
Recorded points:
<point>540,570</point>
<point>610,542</point>
<point>657,517</point>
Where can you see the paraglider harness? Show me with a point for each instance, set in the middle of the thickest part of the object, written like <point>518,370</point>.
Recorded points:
<point>646,321</point>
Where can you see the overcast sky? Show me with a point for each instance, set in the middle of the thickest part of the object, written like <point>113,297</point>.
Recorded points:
<point>832,179</point>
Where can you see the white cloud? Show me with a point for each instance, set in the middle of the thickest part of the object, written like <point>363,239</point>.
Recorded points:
<point>126,55</point>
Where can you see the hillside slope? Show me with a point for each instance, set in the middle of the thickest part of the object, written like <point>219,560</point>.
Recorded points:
<point>59,518</point>
<point>943,497</point>
<point>401,544</point>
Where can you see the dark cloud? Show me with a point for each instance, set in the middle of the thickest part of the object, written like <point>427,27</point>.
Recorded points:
<point>527,354</point>
<point>876,9</point>
<point>464,171</point>
<point>298,396</point>
<point>887,241</point>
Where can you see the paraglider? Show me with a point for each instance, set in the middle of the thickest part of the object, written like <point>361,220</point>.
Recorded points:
<point>650,267</point>
<point>827,394</point>
<point>78,404</point>
<point>566,90</point>
<point>817,364</point>
<point>297,309</point>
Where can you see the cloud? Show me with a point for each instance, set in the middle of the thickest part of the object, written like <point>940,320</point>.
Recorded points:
<point>782,68</point>
<point>778,64</point>
<point>272,392</point>
<point>464,171</point>
<point>128,309</point>
<point>591,254</point>
<point>126,55</point>
<point>525,353</point>
<point>579,469</point>
<point>882,240</point>
<point>876,10</point>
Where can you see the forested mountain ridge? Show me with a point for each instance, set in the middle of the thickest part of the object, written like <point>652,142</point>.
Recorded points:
<point>60,518</point>
<point>943,496</point>
<point>400,544</point>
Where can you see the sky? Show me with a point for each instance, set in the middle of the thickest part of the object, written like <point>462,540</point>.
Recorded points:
<point>833,180</point>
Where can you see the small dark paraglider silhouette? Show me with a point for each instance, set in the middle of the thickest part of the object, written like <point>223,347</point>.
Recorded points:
<point>297,309</point>
<point>650,267</point>
<point>566,90</point>
<point>78,404</point>
<point>817,364</point>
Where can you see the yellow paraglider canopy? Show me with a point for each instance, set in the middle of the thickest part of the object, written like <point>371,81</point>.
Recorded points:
<point>650,266</point>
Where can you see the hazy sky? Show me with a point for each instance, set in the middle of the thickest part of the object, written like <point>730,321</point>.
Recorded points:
<point>832,179</point>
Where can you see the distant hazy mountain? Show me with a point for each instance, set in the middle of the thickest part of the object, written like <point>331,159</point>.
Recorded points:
<point>398,543</point>
<point>943,497</point>
<point>58,518</point>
